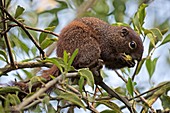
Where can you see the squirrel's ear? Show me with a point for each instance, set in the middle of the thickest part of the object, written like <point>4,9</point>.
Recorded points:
<point>124,32</point>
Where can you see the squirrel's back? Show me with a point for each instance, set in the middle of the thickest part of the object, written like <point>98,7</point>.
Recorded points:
<point>96,39</point>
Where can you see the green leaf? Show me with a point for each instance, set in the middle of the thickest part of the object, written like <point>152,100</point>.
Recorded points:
<point>43,35</point>
<point>142,13</point>
<point>130,86</point>
<point>109,111</point>
<point>47,42</point>
<point>2,110</point>
<point>3,53</point>
<point>121,90</point>
<point>46,101</point>
<point>11,89</point>
<point>139,17</point>
<point>81,83</point>
<point>103,74</point>
<point>87,74</point>
<point>162,88</point>
<point>34,50</point>
<point>119,9</point>
<point>2,59</point>
<point>165,101</point>
<point>72,57</point>
<point>115,108</point>
<point>166,40</point>
<point>19,11</point>
<point>38,109</point>
<point>33,80</point>
<point>101,7</point>
<point>56,62</point>
<point>13,99</point>
<point>150,65</point>
<point>154,35</point>
<point>140,66</point>
<point>28,74</point>
<point>157,33</point>
<point>20,44</point>
<point>120,24</point>
<point>69,96</point>
<point>151,36</point>
<point>65,57</point>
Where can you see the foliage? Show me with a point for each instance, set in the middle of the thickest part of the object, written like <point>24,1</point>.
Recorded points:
<point>24,38</point>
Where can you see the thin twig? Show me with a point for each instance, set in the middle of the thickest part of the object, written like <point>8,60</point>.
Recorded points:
<point>145,101</point>
<point>120,76</point>
<point>134,74</point>
<point>137,93</point>
<point>36,29</point>
<point>22,65</point>
<point>4,32</point>
<point>153,89</point>
<point>33,104</point>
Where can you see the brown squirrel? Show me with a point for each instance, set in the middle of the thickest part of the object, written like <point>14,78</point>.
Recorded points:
<point>117,46</point>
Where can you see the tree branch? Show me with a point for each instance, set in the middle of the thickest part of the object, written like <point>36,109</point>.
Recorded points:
<point>41,91</point>
<point>119,97</point>
<point>22,65</point>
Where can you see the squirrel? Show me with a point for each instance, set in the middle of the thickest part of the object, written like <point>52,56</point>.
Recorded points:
<point>99,43</point>
<point>116,46</point>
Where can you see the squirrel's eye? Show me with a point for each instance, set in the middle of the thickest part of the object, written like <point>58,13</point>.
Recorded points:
<point>132,45</point>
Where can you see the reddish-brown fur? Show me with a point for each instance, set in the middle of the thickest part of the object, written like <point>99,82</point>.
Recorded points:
<point>96,40</point>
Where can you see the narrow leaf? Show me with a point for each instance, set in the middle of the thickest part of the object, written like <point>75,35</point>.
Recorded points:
<point>140,66</point>
<point>130,86</point>
<point>43,35</point>
<point>139,17</point>
<point>65,56</point>
<point>3,53</point>
<point>165,101</point>
<point>120,24</point>
<point>11,89</point>
<point>69,96</point>
<point>150,65</point>
<point>161,90</point>
<point>14,100</point>
<point>19,11</point>
<point>47,42</point>
<point>111,105</point>
<point>157,33</point>
<point>87,74</point>
<point>56,62</point>
<point>2,110</point>
<point>81,83</point>
<point>72,57</point>
<point>28,74</point>
<point>166,40</point>
<point>142,13</point>
<point>109,111</point>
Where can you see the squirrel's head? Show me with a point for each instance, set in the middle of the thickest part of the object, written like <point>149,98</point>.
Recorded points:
<point>128,48</point>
